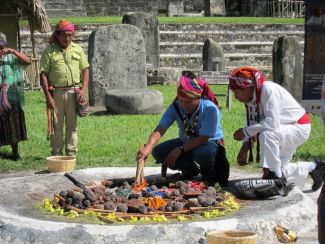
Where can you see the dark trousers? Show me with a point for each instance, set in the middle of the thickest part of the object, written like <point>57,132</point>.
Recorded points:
<point>201,159</point>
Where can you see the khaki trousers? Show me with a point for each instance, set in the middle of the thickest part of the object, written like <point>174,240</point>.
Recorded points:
<point>64,114</point>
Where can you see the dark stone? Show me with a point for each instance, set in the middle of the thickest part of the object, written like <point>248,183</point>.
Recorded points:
<point>148,24</point>
<point>213,57</point>
<point>117,59</point>
<point>214,8</point>
<point>134,101</point>
<point>288,65</point>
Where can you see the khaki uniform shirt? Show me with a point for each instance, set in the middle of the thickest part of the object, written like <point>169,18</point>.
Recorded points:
<point>63,66</point>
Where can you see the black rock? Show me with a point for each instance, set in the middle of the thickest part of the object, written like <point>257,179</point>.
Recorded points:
<point>122,207</point>
<point>143,209</point>
<point>109,206</point>
<point>63,193</point>
<point>89,194</point>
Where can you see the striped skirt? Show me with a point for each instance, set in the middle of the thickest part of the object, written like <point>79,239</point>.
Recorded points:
<point>13,127</point>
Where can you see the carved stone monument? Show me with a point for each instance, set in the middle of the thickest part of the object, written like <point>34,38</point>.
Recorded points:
<point>214,8</point>
<point>288,65</point>
<point>117,59</point>
<point>118,71</point>
<point>213,57</point>
<point>175,8</point>
<point>148,24</point>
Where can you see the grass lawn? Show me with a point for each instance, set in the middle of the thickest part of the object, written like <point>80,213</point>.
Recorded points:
<point>178,20</point>
<point>113,140</point>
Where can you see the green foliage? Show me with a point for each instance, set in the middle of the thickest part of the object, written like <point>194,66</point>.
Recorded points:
<point>113,140</point>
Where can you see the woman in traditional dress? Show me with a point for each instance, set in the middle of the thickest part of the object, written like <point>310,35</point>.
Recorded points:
<point>12,118</point>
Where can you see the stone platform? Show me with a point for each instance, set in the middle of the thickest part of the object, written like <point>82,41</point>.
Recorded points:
<point>22,222</point>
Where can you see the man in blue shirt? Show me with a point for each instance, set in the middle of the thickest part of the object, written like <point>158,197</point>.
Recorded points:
<point>195,151</point>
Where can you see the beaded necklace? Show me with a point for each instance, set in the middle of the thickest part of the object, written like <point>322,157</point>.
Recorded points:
<point>190,128</point>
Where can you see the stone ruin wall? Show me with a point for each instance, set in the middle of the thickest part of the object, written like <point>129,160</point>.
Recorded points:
<point>121,7</point>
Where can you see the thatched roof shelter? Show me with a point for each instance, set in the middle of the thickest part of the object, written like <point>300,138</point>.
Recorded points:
<point>33,10</point>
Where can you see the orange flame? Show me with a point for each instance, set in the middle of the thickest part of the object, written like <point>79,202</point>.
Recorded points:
<point>155,203</point>
<point>141,186</point>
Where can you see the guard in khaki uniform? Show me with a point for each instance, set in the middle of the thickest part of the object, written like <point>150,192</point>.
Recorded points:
<point>62,64</point>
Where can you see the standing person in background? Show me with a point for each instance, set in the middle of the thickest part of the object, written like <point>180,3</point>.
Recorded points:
<point>321,198</point>
<point>63,63</point>
<point>279,125</point>
<point>12,118</point>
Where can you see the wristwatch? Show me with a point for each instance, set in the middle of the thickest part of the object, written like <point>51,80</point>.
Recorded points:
<point>181,147</point>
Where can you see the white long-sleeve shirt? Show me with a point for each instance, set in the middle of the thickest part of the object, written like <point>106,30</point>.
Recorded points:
<point>277,107</point>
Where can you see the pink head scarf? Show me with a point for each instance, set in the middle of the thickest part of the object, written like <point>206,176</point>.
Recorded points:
<point>195,88</point>
<point>62,25</point>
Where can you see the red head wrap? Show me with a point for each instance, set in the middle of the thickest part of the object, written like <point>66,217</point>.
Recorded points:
<point>195,88</point>
<point>244,77</point>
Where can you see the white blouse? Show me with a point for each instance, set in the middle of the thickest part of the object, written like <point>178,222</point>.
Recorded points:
<point>277,107</point>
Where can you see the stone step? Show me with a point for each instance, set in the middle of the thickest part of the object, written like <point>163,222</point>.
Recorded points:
<point>201,36</point>
<point>228,47</point>
<point>194,61</point>
<point>231,27</point>
<point>181,45</point>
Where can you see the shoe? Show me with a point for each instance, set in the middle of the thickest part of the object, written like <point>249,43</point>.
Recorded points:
<point>283,187</point>
<point>272,176</point>
<point>318,175</point>
<point>16,157</point>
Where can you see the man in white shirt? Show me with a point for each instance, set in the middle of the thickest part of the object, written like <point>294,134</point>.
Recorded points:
<point>279,125</point>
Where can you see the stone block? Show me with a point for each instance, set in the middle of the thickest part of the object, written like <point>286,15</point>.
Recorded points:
<point>117,59</point>
<point>214,8</point>
<point>288,65</point>
<point>148,24</point>
<point>175,8</point>
<point>213,57</point>
<point>134,101</point>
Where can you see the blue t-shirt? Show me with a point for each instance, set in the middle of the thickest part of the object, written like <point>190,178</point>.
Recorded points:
<point>207,117</point>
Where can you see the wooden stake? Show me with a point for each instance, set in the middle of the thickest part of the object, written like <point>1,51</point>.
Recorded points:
<point>139,176</point>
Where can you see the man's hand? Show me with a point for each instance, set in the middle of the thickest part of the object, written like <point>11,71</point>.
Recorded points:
<point>239,135</point>
<point>243,154</point>
<point>50,102</point>
<point>172,157</point>
<point>82,93</point>
<point>143,153</point>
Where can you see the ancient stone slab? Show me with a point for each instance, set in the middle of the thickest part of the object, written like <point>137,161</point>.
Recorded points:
<point>117,59</point>
<point>164,76</point>
<point>213,57</point>
<point>253,8</point>
<point>288,65</point>
<point>175,8</point>
<point>134,101</point>
<point>99,7</point>
<point>148,24</point>
<point>214,8</point>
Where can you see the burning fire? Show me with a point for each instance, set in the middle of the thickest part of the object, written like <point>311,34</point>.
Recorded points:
<point>141,186</point>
